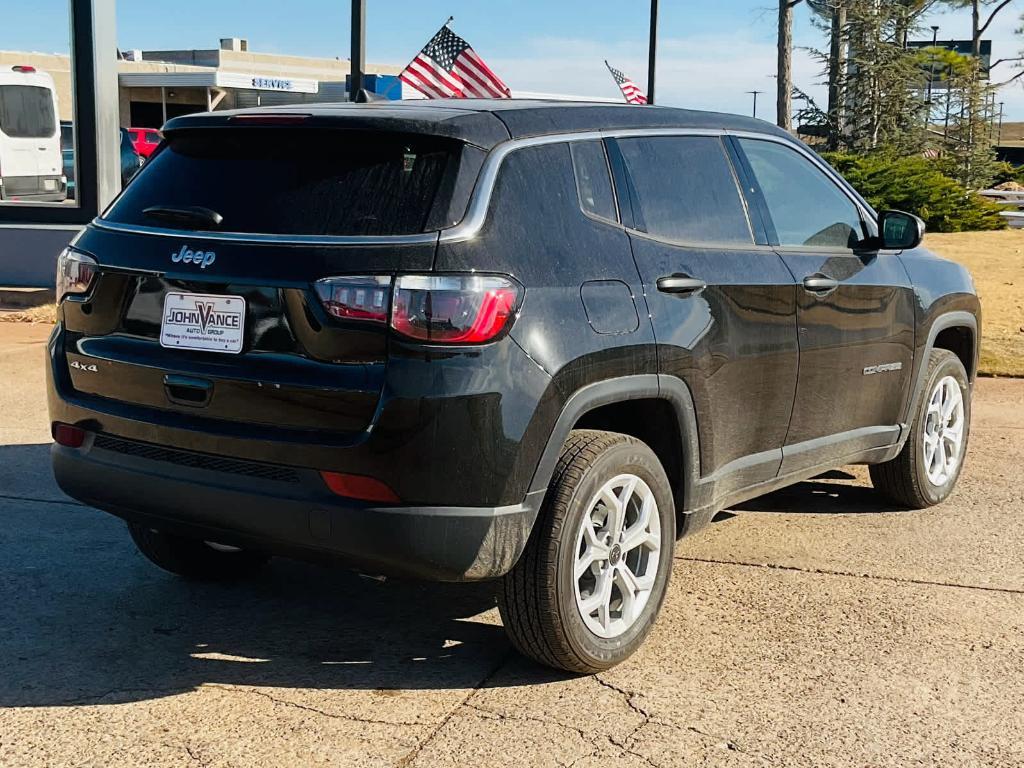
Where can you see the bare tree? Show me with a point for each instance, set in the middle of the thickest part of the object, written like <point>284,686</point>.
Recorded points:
<point>784,82</point>
<point>978,28</point>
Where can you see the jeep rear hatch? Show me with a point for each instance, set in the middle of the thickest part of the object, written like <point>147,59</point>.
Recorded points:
<point>215,307</point>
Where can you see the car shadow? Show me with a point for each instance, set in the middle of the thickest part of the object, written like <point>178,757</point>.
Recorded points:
<point>85,619</point>
<point>829,493</point>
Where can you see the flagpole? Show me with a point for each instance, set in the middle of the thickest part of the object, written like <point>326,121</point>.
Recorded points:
<point>399,82</point>
<point>652,51</point>
<point>358,60</point>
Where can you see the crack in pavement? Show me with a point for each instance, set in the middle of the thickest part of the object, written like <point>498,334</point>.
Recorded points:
<point>36,500</point>
<point>496,715</point>
<point>850,574</point>
<point>193,754</point>
<point>648,719</point>
<point>307,708</point>
<point>415,752</point>
<point>94,698</point>
<point>592,740</point>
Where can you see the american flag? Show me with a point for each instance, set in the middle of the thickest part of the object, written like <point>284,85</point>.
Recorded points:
<point>448,68</point>
<point>629,89</point>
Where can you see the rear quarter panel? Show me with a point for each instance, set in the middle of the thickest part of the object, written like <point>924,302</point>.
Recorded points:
<point>536,232</point>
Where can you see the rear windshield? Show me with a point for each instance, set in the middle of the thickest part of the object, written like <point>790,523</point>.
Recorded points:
<point>26,112</point>
<point>301,181</point>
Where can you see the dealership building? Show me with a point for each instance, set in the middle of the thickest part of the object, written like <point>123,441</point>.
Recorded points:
<point>103,87</point>
<point>154,86</point>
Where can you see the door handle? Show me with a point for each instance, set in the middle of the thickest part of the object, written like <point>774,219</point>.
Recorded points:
<point>680,284</point>
<point>820,284</point>
<point>185,390</point>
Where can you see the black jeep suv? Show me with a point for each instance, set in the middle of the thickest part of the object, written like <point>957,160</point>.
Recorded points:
<point>478,340</point>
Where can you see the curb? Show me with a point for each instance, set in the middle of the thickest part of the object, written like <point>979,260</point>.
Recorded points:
<point>25,298</point>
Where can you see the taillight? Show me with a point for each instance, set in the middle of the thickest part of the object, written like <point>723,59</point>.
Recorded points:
<point>23,68</point>
<point>355,298</point>
<point>453,309</point>
<point>75,273</point>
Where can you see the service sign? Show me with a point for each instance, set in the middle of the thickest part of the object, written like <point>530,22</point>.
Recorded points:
<point>212,323</point>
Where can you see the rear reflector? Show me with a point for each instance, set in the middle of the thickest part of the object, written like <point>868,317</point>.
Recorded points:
<point>67,435</point>
<point>24,68</point>
<point>359,487</point>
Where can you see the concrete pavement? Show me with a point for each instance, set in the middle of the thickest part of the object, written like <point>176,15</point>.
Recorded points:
<point>815,627</point>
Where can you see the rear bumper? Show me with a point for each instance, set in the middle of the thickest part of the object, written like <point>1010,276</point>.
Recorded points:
<point>298,516</point>
<point>32,189</point>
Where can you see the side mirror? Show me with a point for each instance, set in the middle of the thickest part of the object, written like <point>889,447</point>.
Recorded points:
<point>899,231</point>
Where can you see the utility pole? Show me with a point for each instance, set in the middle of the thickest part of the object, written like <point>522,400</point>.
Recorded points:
<point>358,48</point>
<point>755,94</point>
<point>652,51</point>
<point>931,70</point>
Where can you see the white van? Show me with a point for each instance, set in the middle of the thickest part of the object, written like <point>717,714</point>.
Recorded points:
<point>31,166</point>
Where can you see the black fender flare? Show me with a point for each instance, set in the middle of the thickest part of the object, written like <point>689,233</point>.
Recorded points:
<point>649,386</point>
<point>942,322</point>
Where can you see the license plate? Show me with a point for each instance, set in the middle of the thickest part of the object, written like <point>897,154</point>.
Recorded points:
<point>212,323</point>
<point>49,184</point>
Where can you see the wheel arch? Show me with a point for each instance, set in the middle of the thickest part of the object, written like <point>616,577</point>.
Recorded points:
<point>655,408</point>
<point>955,331</point>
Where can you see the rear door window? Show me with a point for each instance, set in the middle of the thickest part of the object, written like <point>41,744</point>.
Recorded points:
<point>593,179</point>
<point>26,112</point>
<point>685,190</point>
<point>302,181</point>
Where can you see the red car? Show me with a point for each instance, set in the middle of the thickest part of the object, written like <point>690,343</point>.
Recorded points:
<point>145,140</point>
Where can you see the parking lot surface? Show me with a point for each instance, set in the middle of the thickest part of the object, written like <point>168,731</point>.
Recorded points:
<point>817,626</point>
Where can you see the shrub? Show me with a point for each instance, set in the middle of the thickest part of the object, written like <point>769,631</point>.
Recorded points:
<point>917,185</point>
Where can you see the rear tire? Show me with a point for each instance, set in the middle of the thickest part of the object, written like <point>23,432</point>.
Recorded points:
<point>926,470</point>
<point>192,558</point>
<point>589,585</point>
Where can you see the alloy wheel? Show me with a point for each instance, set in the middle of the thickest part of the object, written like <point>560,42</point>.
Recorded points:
<point>618,549</point>
<point>943,432</point>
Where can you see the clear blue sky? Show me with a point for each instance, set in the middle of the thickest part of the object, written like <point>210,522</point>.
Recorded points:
<point>711,51</point>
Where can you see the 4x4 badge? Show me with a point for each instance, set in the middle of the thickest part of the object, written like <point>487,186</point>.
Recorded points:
<point>90,367</point>
<point>187,256</point>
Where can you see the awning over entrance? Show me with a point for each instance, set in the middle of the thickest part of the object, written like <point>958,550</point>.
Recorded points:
<point>217,79</point>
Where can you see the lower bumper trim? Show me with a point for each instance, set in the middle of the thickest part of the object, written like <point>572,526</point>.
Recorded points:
<point>301,520</point>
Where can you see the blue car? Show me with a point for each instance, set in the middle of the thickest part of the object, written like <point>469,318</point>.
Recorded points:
<point>131,160</point>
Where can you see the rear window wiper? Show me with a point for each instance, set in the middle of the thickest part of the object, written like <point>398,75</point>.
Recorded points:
<point>194,216</point>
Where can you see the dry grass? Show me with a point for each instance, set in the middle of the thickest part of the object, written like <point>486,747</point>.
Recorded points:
<point>996,260</point>
<point>44,314</point>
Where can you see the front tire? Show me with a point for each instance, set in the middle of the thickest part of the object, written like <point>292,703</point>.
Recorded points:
<point>589,585</point>
<point>195,559</point>
<point>926,470</point>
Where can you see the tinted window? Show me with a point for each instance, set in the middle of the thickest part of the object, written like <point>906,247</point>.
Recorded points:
<point>593,181</point>
<point>685,189</point>
<point>807,208</point>
<point>303,181</point>
<point>26,111</point>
